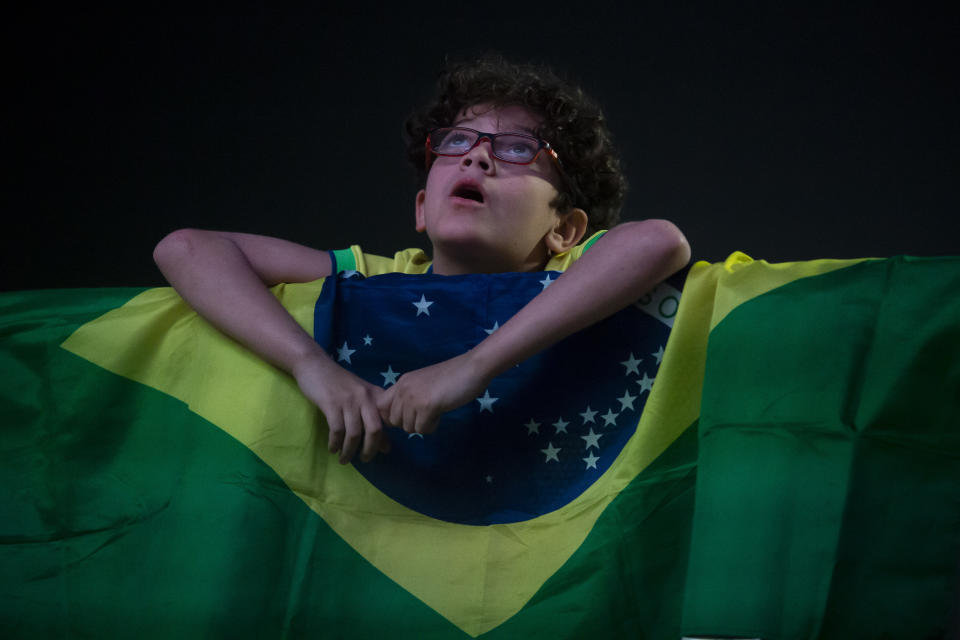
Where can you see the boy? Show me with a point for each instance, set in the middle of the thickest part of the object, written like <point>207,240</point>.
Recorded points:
<point>516,167</point>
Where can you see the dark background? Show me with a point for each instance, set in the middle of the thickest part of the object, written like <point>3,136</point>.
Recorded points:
<point>786,133</point>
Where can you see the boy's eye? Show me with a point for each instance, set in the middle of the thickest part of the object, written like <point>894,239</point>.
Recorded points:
<point>516,148</point>
<point>455,141</point>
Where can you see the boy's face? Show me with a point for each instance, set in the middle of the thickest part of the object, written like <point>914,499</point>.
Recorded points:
<point>483,214</point>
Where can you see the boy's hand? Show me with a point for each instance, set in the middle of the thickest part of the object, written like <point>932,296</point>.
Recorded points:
<point>349,405</point>
<point>419,398</point>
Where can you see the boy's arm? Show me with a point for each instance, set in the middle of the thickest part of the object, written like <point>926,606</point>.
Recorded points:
<point>224,277</point>
<point>627,262</point>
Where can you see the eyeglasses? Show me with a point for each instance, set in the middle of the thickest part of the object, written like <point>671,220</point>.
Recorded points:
<point>515,148</point>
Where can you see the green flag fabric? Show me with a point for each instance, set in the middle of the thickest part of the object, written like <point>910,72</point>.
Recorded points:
<point>829,460</point>
<point>795,474</point>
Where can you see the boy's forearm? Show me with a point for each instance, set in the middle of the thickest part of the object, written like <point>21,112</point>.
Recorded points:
<point>214,277</point>
<point>627,262</point>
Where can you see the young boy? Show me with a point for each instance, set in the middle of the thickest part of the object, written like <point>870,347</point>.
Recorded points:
<point>517,166</point>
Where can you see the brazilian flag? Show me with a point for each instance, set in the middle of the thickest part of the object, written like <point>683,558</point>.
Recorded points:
<point>779,457</point>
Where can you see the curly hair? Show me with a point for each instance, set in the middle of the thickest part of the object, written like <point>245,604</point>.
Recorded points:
<point>572,123</point>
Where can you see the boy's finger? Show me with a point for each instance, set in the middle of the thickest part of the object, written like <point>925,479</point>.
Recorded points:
<point>409,419</point>
<point>423,422</point>
<point>353,436</point>
<point>372,432</point>
<point>384,400</point>
<point>396,415</point>
<point>335,424</point>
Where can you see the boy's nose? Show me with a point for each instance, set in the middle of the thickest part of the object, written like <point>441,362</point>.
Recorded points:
<point>481,153</point>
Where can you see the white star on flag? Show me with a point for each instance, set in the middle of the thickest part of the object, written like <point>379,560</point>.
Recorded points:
<point>659,354</point>
<point>560,425</point>
<point>367,340</point>
<point>532,427</point>
<point>627,400</point>
<point>389,376</point>
<point>547,281</point>
<point>591,461</point>
<point>489,479</point>
<point>486,402</point>
<point>551,452</point>
<point>423,306</point>
<point>592,439</point>
<point>344,353</point>
<point>496,325</point>
<point>588,415</point>
<point>631,365</point>
<point>610,418</point>
<point>646,382</point>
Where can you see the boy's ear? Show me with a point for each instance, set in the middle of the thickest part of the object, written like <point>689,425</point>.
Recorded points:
<point>421,221</point>
<point>568,231</point>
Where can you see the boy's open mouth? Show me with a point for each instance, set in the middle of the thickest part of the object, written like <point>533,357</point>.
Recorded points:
<point>468,192</point>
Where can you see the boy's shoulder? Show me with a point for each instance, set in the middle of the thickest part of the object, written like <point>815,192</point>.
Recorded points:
<point>562,261</point>
<point>416,261</point>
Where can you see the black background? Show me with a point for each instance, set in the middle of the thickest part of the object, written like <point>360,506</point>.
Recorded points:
<point>786,133</point>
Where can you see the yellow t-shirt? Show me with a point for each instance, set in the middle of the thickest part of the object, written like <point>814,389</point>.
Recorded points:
<point>416,261</point>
